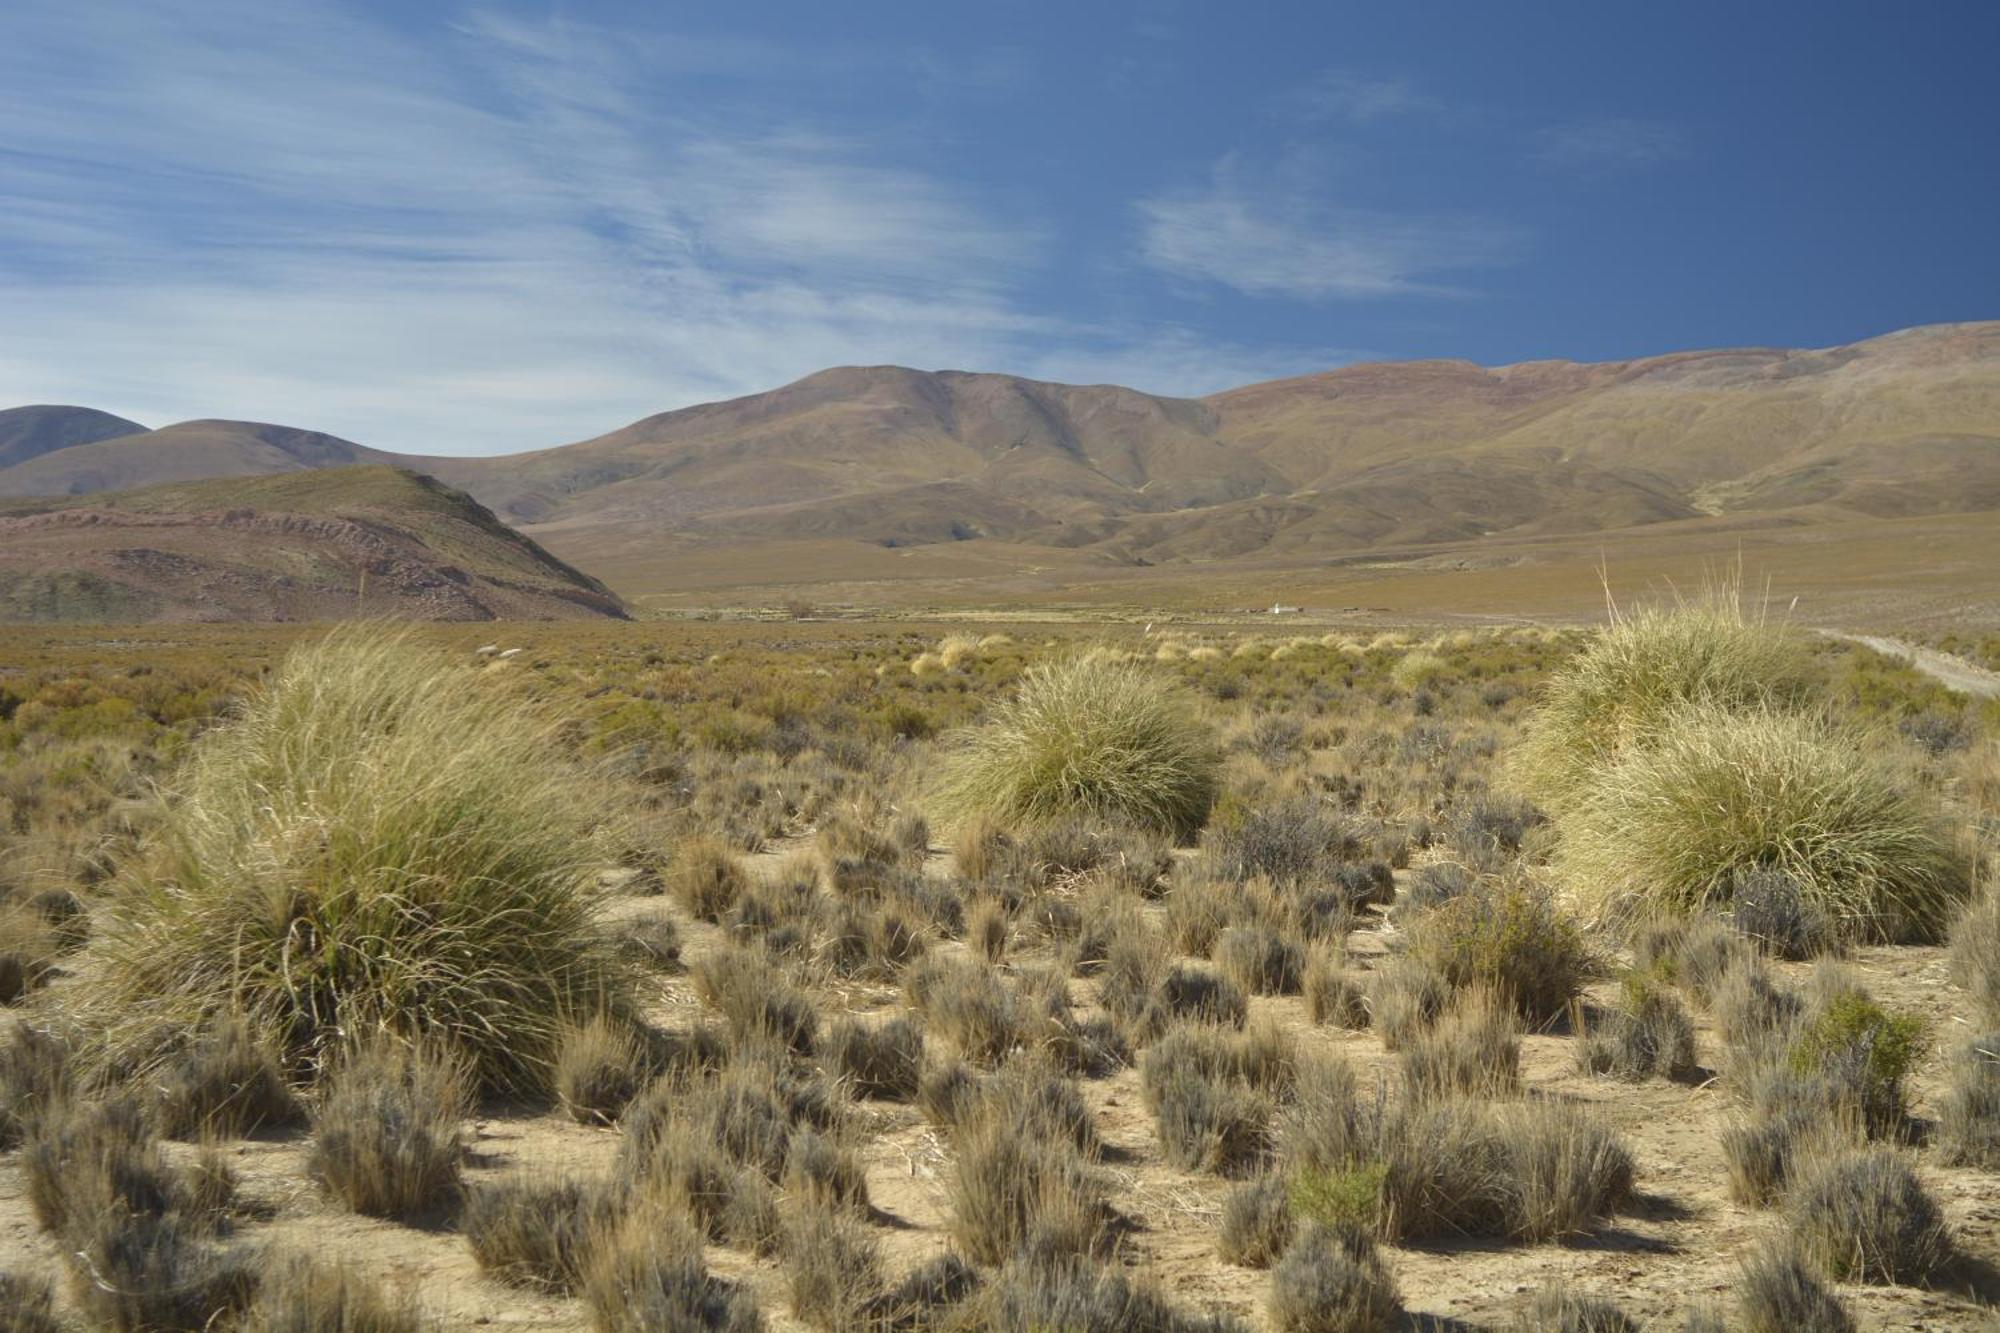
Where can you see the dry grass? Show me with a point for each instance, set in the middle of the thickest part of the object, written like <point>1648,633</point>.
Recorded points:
<point>378,843</point>
<point>1720,793</point>
<point>1087,737</point>
<point>387,1136</point>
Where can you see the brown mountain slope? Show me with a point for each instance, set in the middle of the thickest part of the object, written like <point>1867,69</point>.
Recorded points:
<point>1366,458</point>
<point>30,432</point>
<point>1388,453</point>
<point>189,451</point>
<point>299,546</point>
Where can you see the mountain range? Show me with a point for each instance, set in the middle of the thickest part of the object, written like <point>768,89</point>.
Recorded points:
<point>972,469</point>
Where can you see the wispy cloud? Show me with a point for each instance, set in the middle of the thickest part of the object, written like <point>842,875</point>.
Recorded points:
<point>1338,94</point>
<point>1277,235</point>
<point>1609,143</point>
<point>281,209</point>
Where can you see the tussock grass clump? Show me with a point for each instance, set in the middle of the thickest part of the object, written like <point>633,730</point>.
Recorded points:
<point>1777,1291</point>
<point>1088,737</point>
<point>1975,955</point>
<point>824,1173</point>
<point>379,842</point>
<point>1557,1309</point>
<point>885,1060</point>
<point>1289,843</point>
<point>1260,960</point>
<point>1647,1035</point>
<point>157,1273</point>
<point>649,1275</point>
<point>539,1233</point>
<point>1621,692</point>
<point>227,1083</point>
<point>386,1137</point>
<point>1333,996</point>
<point>600,1068</point>
<point>1039,1293</point>
<point>1864,1216</point>
<point>1405,997</point>
<point>1719,794</point>
<point>1969,1119</point>
<point>303,1295</point>
<point>27,1305</point>
<point>1209,1125</point>
<point>1257,1222</point>
<point>706,878</point>
<point>34,1078</point>
<point>833,1269</point>
<point>1333,1280</point>
<point>1473,1048</point>
<point>757,999</point>
<point>1013,1192</point>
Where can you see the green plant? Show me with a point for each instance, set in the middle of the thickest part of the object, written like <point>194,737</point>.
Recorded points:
<point>379,842</point>
<point>1718,793</point>
<point>1087,736</point>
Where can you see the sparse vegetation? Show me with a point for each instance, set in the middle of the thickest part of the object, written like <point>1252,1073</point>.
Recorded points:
<point>824,1033</point>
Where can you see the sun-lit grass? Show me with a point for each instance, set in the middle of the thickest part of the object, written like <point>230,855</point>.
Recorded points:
<point>1621,691</point>
<point>380,843</point>
<point>1088,736</point>
<point>1722,790</point>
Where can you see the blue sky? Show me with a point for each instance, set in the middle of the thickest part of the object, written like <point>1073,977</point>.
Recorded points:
<point>470,228</point>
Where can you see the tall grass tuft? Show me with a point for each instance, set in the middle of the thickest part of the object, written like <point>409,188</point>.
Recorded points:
<point>1089,736</point>
<point>1621,692</point>
<point>1720,791</point>
<point>379,843</point>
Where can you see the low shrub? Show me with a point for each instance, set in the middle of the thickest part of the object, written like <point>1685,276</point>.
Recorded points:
<point>599,1070</point>
<point>1648,1035</point>
<point>649,1275</point>
<point>538,1232</point>
<point>1863,1216</point>
<point>1969,1118</point>
<point>299,1294</point>
<point>1332,1280</point>
<point>1256,1222</point>
<point>1512,938</point>
<point>386,1132</point>
<point>1778,1292</point>
<point>1087,737</point>
<point>1768,907</point>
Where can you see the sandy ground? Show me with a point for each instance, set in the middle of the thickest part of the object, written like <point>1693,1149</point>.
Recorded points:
<point>1678,1243</point>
